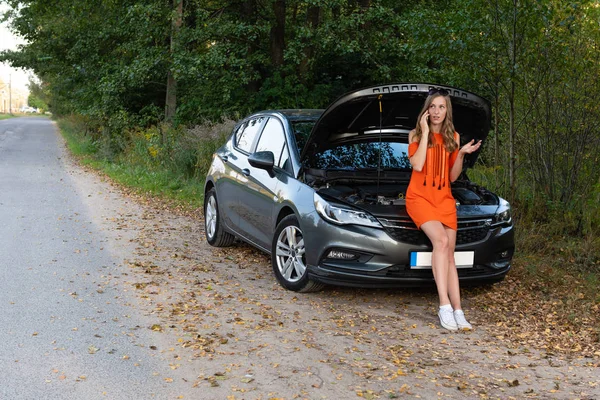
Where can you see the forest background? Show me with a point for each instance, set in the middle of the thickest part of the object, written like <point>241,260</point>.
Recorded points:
<point>147,89</point>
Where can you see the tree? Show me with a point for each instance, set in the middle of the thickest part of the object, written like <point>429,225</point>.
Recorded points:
<point>562,144</point>
<point>109,60</point>
<point>122,63</point>
<point>38,95</point>
<point>171,99</point>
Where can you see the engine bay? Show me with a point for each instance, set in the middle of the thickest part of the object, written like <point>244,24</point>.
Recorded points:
<point>386,194</point>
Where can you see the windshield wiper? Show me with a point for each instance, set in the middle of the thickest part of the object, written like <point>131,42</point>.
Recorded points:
<point>375,169</point>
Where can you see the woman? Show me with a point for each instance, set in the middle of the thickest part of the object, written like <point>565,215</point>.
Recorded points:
<point>436,161</point>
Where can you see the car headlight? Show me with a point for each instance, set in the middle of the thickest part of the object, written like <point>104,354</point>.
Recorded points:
<point>503,215</point>
<point>343,216</point>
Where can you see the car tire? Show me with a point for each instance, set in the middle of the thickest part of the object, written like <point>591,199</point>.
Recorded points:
<point>288,257</point>
<point>215,234</point>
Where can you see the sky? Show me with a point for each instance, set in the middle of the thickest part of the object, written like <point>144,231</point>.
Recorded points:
<point>18,77</point>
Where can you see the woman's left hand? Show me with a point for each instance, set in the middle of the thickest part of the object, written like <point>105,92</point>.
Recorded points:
<point>470,147</point>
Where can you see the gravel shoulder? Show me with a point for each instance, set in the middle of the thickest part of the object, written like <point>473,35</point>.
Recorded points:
<point>231,332</point>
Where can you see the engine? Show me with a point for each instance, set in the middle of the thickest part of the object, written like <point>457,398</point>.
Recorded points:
<point>465,193</point>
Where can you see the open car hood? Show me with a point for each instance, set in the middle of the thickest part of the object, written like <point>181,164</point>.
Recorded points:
<point>355,117</point>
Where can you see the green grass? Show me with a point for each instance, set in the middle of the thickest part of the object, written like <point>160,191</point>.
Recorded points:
<point>17,115</point>
<point>80,145</point>
<point>559,260</point>
<point>187,192</point>
<point>137,169</point>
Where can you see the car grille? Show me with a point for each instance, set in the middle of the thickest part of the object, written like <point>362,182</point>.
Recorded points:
<point>407,235</point>
<point>465,236</point>
<point>405,231</point>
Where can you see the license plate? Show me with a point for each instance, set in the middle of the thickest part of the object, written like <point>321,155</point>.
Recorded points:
<point>422,259</point>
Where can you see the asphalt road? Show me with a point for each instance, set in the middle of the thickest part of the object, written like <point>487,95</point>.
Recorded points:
<point>65,332</point>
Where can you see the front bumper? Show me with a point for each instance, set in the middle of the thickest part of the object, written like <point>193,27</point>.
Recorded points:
<point>382,260</point>
<point>392,277</point>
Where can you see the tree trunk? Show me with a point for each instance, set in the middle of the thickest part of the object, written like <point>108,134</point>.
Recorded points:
<point>249,14</point>
<point>171,99</point>
<point>364,4</point>
<point>511,147</point>
<point>278,34</point>
<point>511,99</point>
<point>312,19</point>
<point>496,133</point>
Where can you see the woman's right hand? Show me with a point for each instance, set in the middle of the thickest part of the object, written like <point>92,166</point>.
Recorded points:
<point>424,122</point>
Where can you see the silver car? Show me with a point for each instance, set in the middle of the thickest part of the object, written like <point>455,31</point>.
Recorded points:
<point>322,191</point>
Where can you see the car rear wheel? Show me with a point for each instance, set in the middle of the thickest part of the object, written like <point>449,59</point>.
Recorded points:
<point>288,257</point>
<point>215,234</point>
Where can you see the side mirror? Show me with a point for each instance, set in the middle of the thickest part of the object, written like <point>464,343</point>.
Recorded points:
<point>263,160</point>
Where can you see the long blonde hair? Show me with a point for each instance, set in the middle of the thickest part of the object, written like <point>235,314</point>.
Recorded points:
<point>447,125</point>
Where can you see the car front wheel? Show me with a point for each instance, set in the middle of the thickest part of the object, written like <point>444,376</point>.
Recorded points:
<point>215,234</point>
<point>289,259</point>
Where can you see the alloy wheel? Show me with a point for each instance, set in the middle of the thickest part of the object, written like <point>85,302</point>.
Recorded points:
<point>290,251</point>
<point>211,217</point>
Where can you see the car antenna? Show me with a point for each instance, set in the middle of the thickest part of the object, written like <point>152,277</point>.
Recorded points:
<point>379,153</point>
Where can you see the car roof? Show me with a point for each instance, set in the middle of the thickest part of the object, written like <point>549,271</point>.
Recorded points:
<point>293,115</point>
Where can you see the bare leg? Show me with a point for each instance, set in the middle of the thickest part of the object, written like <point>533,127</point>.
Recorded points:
<point>436,232</point>
<point>453,287</point>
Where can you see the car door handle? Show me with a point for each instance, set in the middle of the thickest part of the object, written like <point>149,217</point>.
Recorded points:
<point>246,171</point>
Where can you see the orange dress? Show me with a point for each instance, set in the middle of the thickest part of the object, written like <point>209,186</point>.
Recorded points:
<point>429,197</point>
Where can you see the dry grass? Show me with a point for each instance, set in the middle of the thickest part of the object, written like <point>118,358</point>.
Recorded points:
<point>550,300</point>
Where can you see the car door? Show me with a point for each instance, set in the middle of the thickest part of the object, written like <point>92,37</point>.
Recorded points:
<point>232,189</point>
<point>257,206</point>
<point>223,169</point>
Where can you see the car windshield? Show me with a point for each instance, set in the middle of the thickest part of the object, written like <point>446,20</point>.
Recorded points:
<point>387,155</point>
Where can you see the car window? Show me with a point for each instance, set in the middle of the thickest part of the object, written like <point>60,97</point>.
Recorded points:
<point>394,155</point>
<point>302,130</point>
<point>273,139</point>
<point>246,137</point>
<point>285,162</point>
<point>238,133</point>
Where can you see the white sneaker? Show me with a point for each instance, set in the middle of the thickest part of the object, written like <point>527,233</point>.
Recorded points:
<point>461,322</point>
<point>447,319</point>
